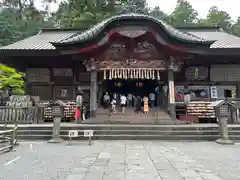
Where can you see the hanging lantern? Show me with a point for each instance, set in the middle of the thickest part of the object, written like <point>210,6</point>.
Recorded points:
<point>141,84</point>
<point>118,84</point>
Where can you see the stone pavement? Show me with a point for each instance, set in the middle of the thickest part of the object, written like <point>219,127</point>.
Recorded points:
<point>122,160</point>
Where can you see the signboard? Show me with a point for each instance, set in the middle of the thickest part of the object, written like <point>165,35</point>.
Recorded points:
<point>214,92</point>
<point>72,133</point>
<point>88,133</point>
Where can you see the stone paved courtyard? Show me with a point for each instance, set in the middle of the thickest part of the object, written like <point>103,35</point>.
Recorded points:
<point>125,160</point>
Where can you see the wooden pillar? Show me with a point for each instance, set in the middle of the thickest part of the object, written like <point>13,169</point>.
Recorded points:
<point>93,93</point>
<point>238,91</point>
<point>171,95</point>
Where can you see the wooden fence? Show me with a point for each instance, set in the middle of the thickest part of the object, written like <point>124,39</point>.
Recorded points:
<point>8,138</point>
<point>20,115</point>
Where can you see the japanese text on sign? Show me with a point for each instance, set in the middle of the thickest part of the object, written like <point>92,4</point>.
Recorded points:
<point>88,133</point>
<point>73,133</point>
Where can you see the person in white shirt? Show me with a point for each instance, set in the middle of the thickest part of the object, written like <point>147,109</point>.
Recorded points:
<point>115,96</point>
<point>123,101</point>
<point>152,99</point>
<point>130,100</point>
<point>113,104</point>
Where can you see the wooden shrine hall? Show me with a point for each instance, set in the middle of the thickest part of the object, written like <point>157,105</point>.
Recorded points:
<point>123,48</point>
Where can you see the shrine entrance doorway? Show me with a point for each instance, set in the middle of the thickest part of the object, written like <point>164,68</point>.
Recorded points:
<point>137,87</point>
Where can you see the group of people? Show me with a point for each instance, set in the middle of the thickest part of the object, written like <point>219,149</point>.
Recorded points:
<point>141,104</point>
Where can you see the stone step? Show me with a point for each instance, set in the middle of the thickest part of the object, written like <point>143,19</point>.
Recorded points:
<point>118,131</point>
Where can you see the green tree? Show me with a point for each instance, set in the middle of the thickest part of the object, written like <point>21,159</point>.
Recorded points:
<point>133,6</point>
<point>218,17</point>
<point>236,28</point>
<point>20,19</point>
<point>11,78</point>
<point>183,14</point>
<point>157,13</point>
<point>83,13</point>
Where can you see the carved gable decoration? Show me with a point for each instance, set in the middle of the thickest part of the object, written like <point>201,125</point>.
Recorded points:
<point>141,50</point>
<point>132,31</point>
<point>160,64</point>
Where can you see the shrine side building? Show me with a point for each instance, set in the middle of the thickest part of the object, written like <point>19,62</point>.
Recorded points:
<point>133,47</point>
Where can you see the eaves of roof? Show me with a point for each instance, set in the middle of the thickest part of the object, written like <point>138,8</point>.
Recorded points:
<point>96,29</point>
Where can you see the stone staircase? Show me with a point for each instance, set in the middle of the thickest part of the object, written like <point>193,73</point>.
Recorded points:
<point>203,132</point>
<point>130,117</point>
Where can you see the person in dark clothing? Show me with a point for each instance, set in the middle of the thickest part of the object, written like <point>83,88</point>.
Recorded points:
<point>138,104</point>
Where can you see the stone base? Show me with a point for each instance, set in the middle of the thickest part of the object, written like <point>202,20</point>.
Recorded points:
<point>55,140</point>
<point>224,142</point>
<point>93,113</point>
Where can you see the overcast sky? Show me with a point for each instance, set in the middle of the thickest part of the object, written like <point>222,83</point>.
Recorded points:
<point>202,6</point>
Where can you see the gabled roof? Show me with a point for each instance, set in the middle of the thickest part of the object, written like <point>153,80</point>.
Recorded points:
<point>41,41</point>
<point>96,29</point>
<point>44,39</point>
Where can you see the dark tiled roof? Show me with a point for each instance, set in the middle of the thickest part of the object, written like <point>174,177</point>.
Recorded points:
<point>40,41</point>
<point>222,39</point>
<point>95,30</point>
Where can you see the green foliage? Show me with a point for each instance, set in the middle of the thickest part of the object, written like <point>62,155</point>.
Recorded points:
<point>11,78</point>
<point>183,14</point>
<point>221,18</point>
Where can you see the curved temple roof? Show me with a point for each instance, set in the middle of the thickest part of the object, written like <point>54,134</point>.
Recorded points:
<point>95,30</point>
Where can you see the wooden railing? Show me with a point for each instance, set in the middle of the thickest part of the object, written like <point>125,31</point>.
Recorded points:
<point>8,138</point>
<point>20,115</point>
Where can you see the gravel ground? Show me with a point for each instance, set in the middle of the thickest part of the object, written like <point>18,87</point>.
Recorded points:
<point>121,160</point>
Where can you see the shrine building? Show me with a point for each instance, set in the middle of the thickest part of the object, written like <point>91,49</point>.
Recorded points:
<point>129,53</point>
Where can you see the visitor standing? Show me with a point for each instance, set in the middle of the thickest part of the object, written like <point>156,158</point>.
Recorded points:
<point>115,96</point>
<point>123,101</point>
<point>130,100</point>
<point>138,104</point>
<point>145,105</point>
<point>79,104</point>
<point>113,106</point>
<point>152,99</point>
<point>106,101</point>
<point>134,101</point>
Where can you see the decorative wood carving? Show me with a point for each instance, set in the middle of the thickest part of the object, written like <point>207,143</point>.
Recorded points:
<point>128,63</point>
<point>174,63</point>
<point>134,63</point>
<point>142,51</point>
<point>142,55</point>
<point>132,31</point>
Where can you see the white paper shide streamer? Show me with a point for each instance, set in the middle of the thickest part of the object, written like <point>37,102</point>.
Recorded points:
<point>131,73</point>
